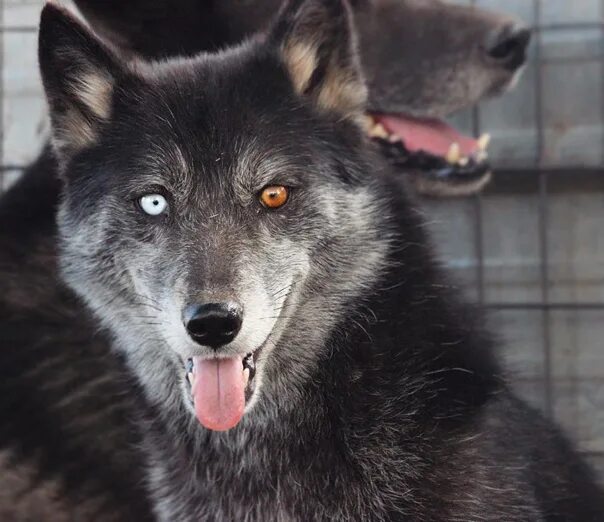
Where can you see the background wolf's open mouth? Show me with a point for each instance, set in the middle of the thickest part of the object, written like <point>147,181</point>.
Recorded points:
<point>433,148</point>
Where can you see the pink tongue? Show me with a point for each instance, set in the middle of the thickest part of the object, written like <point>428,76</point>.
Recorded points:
<point>219,392</point>
<point>433,136</point>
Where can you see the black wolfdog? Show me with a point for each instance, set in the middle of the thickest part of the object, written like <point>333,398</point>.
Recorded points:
<point>67,440</point>
<point>226,220</point>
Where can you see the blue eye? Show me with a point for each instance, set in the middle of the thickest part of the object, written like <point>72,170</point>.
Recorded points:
<point>153,204</point>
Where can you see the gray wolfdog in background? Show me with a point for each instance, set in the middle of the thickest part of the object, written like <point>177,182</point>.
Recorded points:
<point>422,60</point>
<point>66,446</point>
<point>299,352</point>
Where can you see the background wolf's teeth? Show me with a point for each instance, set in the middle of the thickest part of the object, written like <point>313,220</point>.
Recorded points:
<point>453,154</point>
<point>463,162</point>
<point>246,376</point>
<point>481,156</point>
<point>483,142</point>
<point>393,138</point>
<point>369,122</point>
<point>378,131</point>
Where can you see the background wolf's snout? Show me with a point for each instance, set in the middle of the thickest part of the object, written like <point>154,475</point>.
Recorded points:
<point>213,324</point>
<point>509,46</point>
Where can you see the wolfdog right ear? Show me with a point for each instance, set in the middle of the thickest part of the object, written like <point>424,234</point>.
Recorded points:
<point>79,75</point>
<point>318,45</point>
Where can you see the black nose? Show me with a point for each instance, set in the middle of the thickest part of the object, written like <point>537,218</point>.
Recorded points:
<point>213,324</point>
<point>509,46</point>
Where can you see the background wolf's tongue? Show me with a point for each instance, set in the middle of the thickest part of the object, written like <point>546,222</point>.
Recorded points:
<point>433,136</point>
<point>219,392</point>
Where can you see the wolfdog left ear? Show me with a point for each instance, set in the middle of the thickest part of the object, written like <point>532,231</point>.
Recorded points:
<point>79,74</point>
<point>317,43</point>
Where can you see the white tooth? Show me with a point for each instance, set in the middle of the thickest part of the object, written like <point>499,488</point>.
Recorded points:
<point>378,131</point>
<point>191,377</point>
<point>454,154</point>
<point>393,138</point>
<point>246,376</point>
<point>463,162</point>
<point>483,142</point>
<point>481,156</point>
<point>369,122</point>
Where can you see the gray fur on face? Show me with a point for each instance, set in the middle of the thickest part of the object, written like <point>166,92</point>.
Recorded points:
<point>287,286</point>
<point>289,270</point>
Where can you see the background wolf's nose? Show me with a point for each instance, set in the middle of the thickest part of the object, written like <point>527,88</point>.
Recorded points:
<point>213,324</point>
<point>509,46</point>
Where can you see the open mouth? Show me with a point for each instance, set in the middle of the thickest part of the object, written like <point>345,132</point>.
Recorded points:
<point>221,388</point>
<point>432,148</point>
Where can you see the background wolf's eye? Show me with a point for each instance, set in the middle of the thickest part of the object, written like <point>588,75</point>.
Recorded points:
<point>153,204</point>
<point>274,196</point>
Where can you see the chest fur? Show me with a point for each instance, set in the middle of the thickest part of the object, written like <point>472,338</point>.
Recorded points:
<point>259,478</point>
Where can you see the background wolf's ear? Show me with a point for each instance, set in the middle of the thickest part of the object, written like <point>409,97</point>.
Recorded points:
<point>79,74</point>
<point>317,42</point>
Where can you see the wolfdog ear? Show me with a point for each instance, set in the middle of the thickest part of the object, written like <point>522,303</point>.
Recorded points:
<point>79,74</point>
<point>317,43</point>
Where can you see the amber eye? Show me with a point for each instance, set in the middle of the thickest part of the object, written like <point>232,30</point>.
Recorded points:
<point>274,196</point>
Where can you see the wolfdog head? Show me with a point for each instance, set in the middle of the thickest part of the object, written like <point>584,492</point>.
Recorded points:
<point>217,211</point>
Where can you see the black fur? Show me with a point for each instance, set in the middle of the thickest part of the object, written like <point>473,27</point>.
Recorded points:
<point>65,400</point>
<point>399,411</point>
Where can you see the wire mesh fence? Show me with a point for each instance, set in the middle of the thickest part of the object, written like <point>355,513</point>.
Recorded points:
<point>530,248</point>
